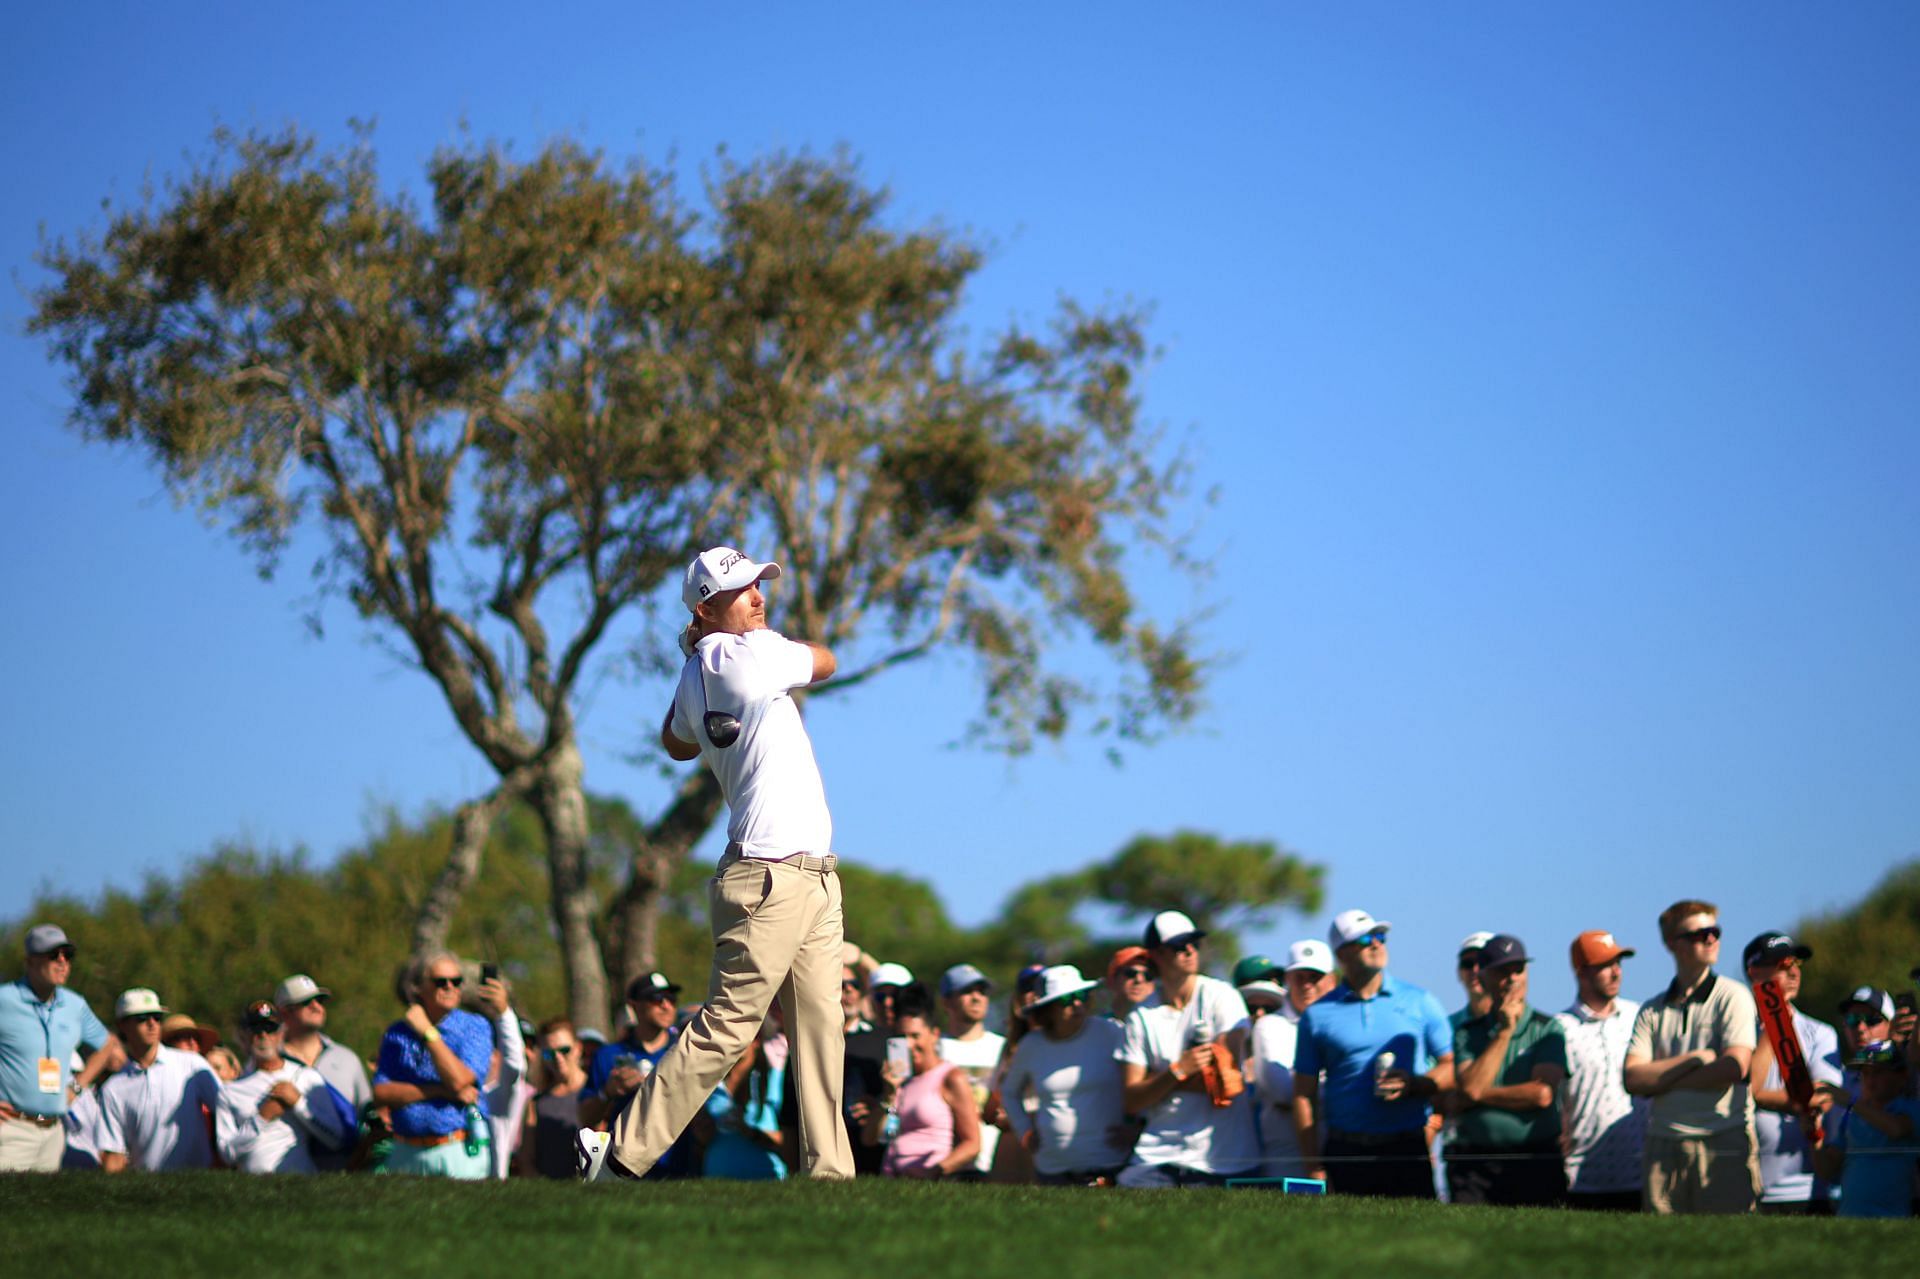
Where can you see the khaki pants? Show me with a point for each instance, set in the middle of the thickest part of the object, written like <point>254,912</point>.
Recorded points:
<point>27,1147</point>
<point>1717,1174</point>
<point>777,932</point>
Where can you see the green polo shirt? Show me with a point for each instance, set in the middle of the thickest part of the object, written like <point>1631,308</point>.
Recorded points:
<point>1536,1041</point>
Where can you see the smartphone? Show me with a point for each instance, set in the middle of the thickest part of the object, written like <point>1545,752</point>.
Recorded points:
<point>1906,1002</point>
<point>900,1056</point>
<point>489,972</point>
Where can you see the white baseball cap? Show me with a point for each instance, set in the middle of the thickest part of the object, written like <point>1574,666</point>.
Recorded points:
<point>138,1002</point>
<point>1310,954</point>
<point>890,975</point>
<point>1264,990</point>
<point>720,568</point>
<point>1170,926</point>
<point>1059,982</point>
<point>298,989</point>
<point>1472,941</point>
<point>1350,925</point>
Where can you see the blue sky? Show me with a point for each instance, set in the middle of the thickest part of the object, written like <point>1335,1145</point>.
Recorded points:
<point>1556,369</point>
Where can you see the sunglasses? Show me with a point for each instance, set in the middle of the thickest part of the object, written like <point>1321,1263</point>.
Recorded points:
<point>849,985</point>
<point>60,952</point>
<point>1469,961</point>
<point>1700,936</point>
<point>1184,945</point>
<point>447,983</point>
<point>559,1050</point>
<point>137,1018</point>
<point>1857,1020</point>
<point>263,1027</point>
<point>1135,974</point>
<point>317,999</point>
<point>1377,937</point>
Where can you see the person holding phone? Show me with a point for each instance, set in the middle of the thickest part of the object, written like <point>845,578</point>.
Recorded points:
<point>927,1116</point>
<point>778,927</point>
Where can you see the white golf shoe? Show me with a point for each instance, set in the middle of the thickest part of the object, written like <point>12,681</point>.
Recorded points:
<point>590,1154</point>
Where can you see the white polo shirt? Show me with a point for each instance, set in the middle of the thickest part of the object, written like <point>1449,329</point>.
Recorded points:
<point>1604,1126</point>
<point>776,803</point>
<point>1270,1075</point>
<point>1718,1014</point>
<point>254,1144</point>
<point>1185,1128</point>
<point>153,1116</point>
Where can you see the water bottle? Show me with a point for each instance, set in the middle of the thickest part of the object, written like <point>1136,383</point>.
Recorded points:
<point>1381,1065</point>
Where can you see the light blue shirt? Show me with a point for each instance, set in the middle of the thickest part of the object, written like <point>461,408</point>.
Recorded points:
<point>30,1030</point>
<point>1343,1036</point>
<point>1877,1178</point>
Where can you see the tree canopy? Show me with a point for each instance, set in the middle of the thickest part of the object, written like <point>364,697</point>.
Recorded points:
<point>1874,942</point>
<point>507,409</point>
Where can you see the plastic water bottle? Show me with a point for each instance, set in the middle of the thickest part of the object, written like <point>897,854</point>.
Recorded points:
<point>1381,1065</point>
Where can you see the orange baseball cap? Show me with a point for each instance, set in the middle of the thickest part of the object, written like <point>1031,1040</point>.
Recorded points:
<point>1597,946</point>
<point>1124,956</point>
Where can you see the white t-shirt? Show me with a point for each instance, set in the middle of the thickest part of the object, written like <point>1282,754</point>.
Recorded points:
<point>1605,1127</point>
<point>777,805</point>
<point>1786,1163</point>
<point>1076,1083</point>
<point>153,1115</point>
<point>1270,1075</point>
<point>1185,1128</point>
<point>978,1058</point>
<point>254,1144</point>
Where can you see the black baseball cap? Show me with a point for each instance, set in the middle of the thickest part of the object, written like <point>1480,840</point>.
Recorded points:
<point>260,1015</point>
<point>1501,950</point>
<point>1771,948</point>
<point>650,986</point>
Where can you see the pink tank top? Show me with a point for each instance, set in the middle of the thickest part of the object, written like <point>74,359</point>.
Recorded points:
<point>926,1126</point>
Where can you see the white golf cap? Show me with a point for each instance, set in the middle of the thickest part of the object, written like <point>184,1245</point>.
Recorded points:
<point>138,1002</point>
<point>1170,927</point>
<point>890,975</point>
<point>1349,925</point>
<point>1310,954</point>
<point>1264,991</point>
<point>1059,982</point>
<point>1473,941</point>
<point>720,568</point>
<point>298,989</point>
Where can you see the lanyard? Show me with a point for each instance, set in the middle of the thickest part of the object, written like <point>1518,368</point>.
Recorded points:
<point>44,1011</point>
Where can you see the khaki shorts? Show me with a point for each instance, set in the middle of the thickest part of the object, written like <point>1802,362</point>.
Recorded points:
<point>1716,1174</point>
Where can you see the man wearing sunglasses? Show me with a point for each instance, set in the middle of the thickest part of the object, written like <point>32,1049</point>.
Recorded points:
<point>1130,981</point>
<point>156,1113</point>
<point>269,1118</point>
<point>432,1064</point>
<point>778,927</point>
<point>1787,1181</point>
<point>1690,1052</point>
<point>1370,1060</point>
<point>41,1023</point>
<point>300,1003</point>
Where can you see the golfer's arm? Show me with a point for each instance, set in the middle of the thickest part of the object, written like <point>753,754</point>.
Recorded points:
<point>671,743</point>
<point>824,664</point>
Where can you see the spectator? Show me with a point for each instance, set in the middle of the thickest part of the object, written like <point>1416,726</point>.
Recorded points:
<point>41,1024</point>
<point>224,1063</point>
<point>1866,1017</point>
<point>156,1113</point>
<point>431,1064</point>
<point>978,1052</point>
<point>183,1034</point>
<point>1272,1044</point>
<point>1508,1064</point>
<point>1257,979</point>
<point>853,1002</point>
<point>503,1092</point>
<point>302,1005</point>
<point>1869,1142</point>
<point>1604,1130</point>
<point>1787,1180</point>
<point>1166,1057</point>
<point>267,1120</point>
<point>82,1123</point>
<point>1372,1055</point>
<point>553,1116</point>
<point>1467,967</point>
<point>889,987</point>
<point>927,1118</point>
<point>1690,1052</point>
<point>1130,981</point>
<point>618,1070</point>
<point>1077,1133</point>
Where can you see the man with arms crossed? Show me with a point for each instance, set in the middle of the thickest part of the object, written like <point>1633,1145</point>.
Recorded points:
<point>41,1023</point>
<point>1692,1045</point>
<point>1385,1050</point>
<point>1604,1130</point>
<point>778,929</point>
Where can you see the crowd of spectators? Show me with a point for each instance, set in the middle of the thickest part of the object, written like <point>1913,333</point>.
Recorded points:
<point>1321,1071</point>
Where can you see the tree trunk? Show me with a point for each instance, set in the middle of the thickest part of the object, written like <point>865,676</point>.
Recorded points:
<point>635,921</point>
<point>472,825</point>
<point>561,801</point>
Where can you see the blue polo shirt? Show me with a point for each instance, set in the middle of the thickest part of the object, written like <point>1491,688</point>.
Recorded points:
<point>30,1030</point>
<point>406,1059</point>
<point>1342,1035</point>
<point>683,1160</point>
<point>1877,1178</point>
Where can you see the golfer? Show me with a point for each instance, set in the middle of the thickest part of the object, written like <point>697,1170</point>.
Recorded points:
<point>777,923</point>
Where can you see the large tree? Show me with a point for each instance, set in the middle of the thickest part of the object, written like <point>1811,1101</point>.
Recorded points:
<point>509,410</point>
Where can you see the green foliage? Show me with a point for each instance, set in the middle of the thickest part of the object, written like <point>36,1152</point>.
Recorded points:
<point>1875,942</point>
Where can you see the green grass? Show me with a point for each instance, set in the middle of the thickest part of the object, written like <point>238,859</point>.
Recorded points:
<point>213,1224</point>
